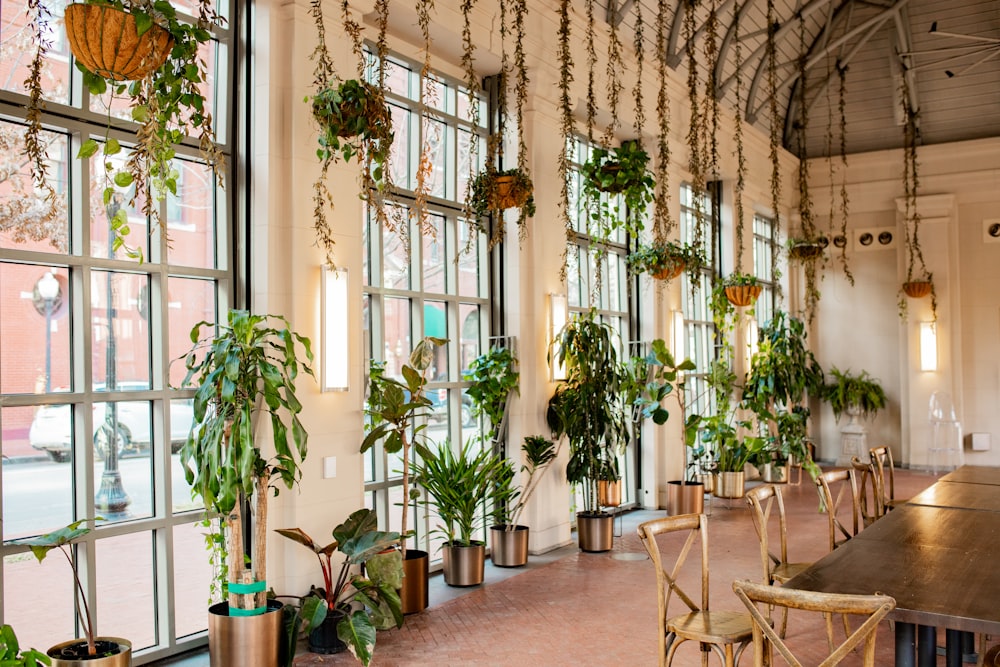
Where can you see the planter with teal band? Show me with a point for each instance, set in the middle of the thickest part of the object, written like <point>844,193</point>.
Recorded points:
<point>248,589</point>
<point>245,637</point>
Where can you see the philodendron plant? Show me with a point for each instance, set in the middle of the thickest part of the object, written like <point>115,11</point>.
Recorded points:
<point>243,368</point>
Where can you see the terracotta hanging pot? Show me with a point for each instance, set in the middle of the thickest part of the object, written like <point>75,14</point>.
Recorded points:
<point>743,295</point>
<point>917,289</point>
<point>105,40</point>
<point>669,272</point>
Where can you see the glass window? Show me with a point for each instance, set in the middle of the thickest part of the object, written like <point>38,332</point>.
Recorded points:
<point>90,423</point>
<point>437,285</point>
<point>699,329</point>
<point>765,255</point>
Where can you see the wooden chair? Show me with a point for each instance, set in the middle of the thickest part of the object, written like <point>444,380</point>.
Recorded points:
<point>766,640</point>
<point>727,633</point>
<point>870,507</point>
<point>777,568</point>
<point>846,483</point>
<point>885,469</point>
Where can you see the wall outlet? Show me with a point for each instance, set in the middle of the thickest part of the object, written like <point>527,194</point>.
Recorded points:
<point>875,238</point>
<point>329,467</point>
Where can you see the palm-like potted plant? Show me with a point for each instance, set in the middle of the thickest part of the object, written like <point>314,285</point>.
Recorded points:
<point>141,49</point>
<point>620,171</point>
<point>354,604</point>
<point>244,369</point>
<point>589,410</point>
<point>508,538</point>
<point>858,395</point>
<point>664,260</point>
<point>741,289</point>
<point>92,649</point>
<point>396,410</point>
<point>494,381</point>
<point>458,484</point>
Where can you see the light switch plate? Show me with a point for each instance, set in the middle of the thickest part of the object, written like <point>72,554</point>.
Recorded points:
<point>329,467</point>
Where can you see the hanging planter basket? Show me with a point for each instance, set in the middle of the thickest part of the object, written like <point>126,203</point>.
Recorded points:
<point>669,272</point>
<point>743,295</point>
<point>805,250</point>
<point>105,41</point>
<point>917,289</point>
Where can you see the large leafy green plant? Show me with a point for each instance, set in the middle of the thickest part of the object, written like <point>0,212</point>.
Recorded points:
<point>244,368</point>
<point>620,171</point>
<point>459,483</point>
<point>494,379</point>
<point>394,409</point>
<point>358,540</point>
<point>850,391</point>
<point>588,407</point>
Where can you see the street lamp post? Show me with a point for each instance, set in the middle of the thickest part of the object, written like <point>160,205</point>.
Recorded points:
<point>48,290</point>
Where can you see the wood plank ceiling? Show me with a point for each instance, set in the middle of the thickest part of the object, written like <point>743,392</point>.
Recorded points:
<point>949,53</point>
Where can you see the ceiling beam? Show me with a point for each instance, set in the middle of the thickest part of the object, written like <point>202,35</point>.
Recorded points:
<point>675,52</point>
<point>615,14</point>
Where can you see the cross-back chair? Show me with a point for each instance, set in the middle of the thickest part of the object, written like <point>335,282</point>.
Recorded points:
<point>727,633</point>
<point>870,507</point>
<point>775,564</point>
<point>846,484</point>
<point>885,470</point>
<point>766,641</point>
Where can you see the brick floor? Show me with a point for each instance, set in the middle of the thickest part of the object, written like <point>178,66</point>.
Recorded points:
<point>600,609</point>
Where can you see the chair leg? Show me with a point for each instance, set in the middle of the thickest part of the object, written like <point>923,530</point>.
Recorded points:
<point>784,622</point>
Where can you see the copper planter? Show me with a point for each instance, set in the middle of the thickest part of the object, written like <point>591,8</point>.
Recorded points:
<point>122,659</point>
<point>509,548</point>
<point>685,498</point>
<point>609,493</point>
<point>239,641</point>
<point>413,594</point>
<point>463,565</point>
<point>595,532</point>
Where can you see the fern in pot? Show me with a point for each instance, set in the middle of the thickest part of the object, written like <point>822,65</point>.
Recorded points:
<point>856,394</point>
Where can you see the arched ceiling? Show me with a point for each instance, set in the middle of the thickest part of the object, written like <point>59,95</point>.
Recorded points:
<point>948,52</point>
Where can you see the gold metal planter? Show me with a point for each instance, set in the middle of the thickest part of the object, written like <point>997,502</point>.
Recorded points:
<point>685,498</point>
<point>245,641</point>
<point>595,532</point>
<point>463,565</point>
<point>509,548</point>
<point>413,594</point>
<point>729,484</point>
<point>121,659</point>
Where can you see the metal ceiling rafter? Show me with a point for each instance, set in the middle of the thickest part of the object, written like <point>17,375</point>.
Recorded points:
<point>616,14</point>
<point>675,53</point>
<point>879,19</point>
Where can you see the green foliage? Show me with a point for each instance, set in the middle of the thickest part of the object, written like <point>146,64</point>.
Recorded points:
<point>588,407</point>
<point>493,380</point>
<point>359,542</point>
<point>737,279</point>
<point>858,391</point>
<point>353,118</point>
<point>40,546</point>
<point>307,614</point>
<point>732,452</point>
<point>661,377</point>
<point>168,104</point>
<point>666,257</point>
<point>11,654</point>
<point>485,196</point>
<point>459,483</point>
<point>622,170</point>
<point>507,499</point>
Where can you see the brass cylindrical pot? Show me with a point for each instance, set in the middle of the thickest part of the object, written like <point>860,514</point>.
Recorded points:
<point>463,565</point>
<point>595,532</point>
<point>708,479</point>
<point>509,548</point>
<point>729,484</point>
<point>774,473</point>
<point>245,641</point>
<point>685,498</point>
<point>121,659</point>
<point>609,493</point>
<point>413,594</point>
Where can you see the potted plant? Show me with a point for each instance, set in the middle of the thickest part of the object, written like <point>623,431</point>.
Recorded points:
<point>458,483</point>
<point>341,624</point>
<point>782,373</point>
<point>498,190</point>
<point>620,171</point>
<point>588,409</point>
<point>858,395</point>
<point>804,249</point>
<point>494,382</point>
<point>664,260</point>
<point>788,441</point>
<point>12,655</point>
<point>508,538</point>
<point>244,369</point>
<point>741,289</point>
<point>394,410</point>
<point>143,50</point>
<point>92,649</point>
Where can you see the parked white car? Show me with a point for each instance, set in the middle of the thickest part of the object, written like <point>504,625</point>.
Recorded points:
<point>51,429</point>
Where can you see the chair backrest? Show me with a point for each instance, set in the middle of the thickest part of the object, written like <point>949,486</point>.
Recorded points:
<point>870,499</point>
<point>884,468</point>
<point>846,484</point>
<point>762,500</point>
<point>695,525</point>
<point>766,639</point>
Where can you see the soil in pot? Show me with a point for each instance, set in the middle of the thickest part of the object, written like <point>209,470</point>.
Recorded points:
<point>323,639</point>
<point>76,650</point>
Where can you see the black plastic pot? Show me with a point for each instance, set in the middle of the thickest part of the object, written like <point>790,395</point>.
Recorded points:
<point>323,638</point>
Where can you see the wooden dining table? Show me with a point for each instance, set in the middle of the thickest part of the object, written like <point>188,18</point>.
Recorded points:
<point>936,555</point>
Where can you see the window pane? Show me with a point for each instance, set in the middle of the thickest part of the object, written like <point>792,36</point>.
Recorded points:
<point>32,218</point>
<point>38,625</point>
<point>126,597</point>
<point>101,215</point>
<point>124,480</point>
<point>190,217</point>
<point>192,578</point>
<point>190,301</point>
<point>396,335</point>
<point>181,419</point>
<point>34,329</point>
<point>120,334</point>
<point>435,266</point>
<point>436,324</point>
<point>395,262</point>
<point>17,46</point>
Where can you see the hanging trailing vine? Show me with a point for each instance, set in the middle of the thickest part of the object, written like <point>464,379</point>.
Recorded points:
<point>710,158</point>
<point>770,56</point>
<point>613,69</point>
<point>566,126</point>
<point>520,95</point>
<point>844,205</point>
<point>838,231</point>
<point>591,65</point>
<point>425,167</point>
<point>639,46</point>
<point>919,281</point>
<point>663,223</point>
<point>472,91</point>
<point>695,126</point>
<point>741,160</point>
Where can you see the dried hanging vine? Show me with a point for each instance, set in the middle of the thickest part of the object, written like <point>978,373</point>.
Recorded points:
<point>912,220</point>
<point>710,114</point>
<point>472,89</point>
<point>591,65</point>
<point>566,125</point>
<point>741,160</point>
<point>520,95</point>
<point>425,167</point>
<point>838,232</point>
<point>695,125</point>
<point>770,56</point>
<point>844,204</point>
<point>663,223</point>
<point>613,69</point>
<point>806,220</point>
<point>324,72</point>
<point>639,46</point>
